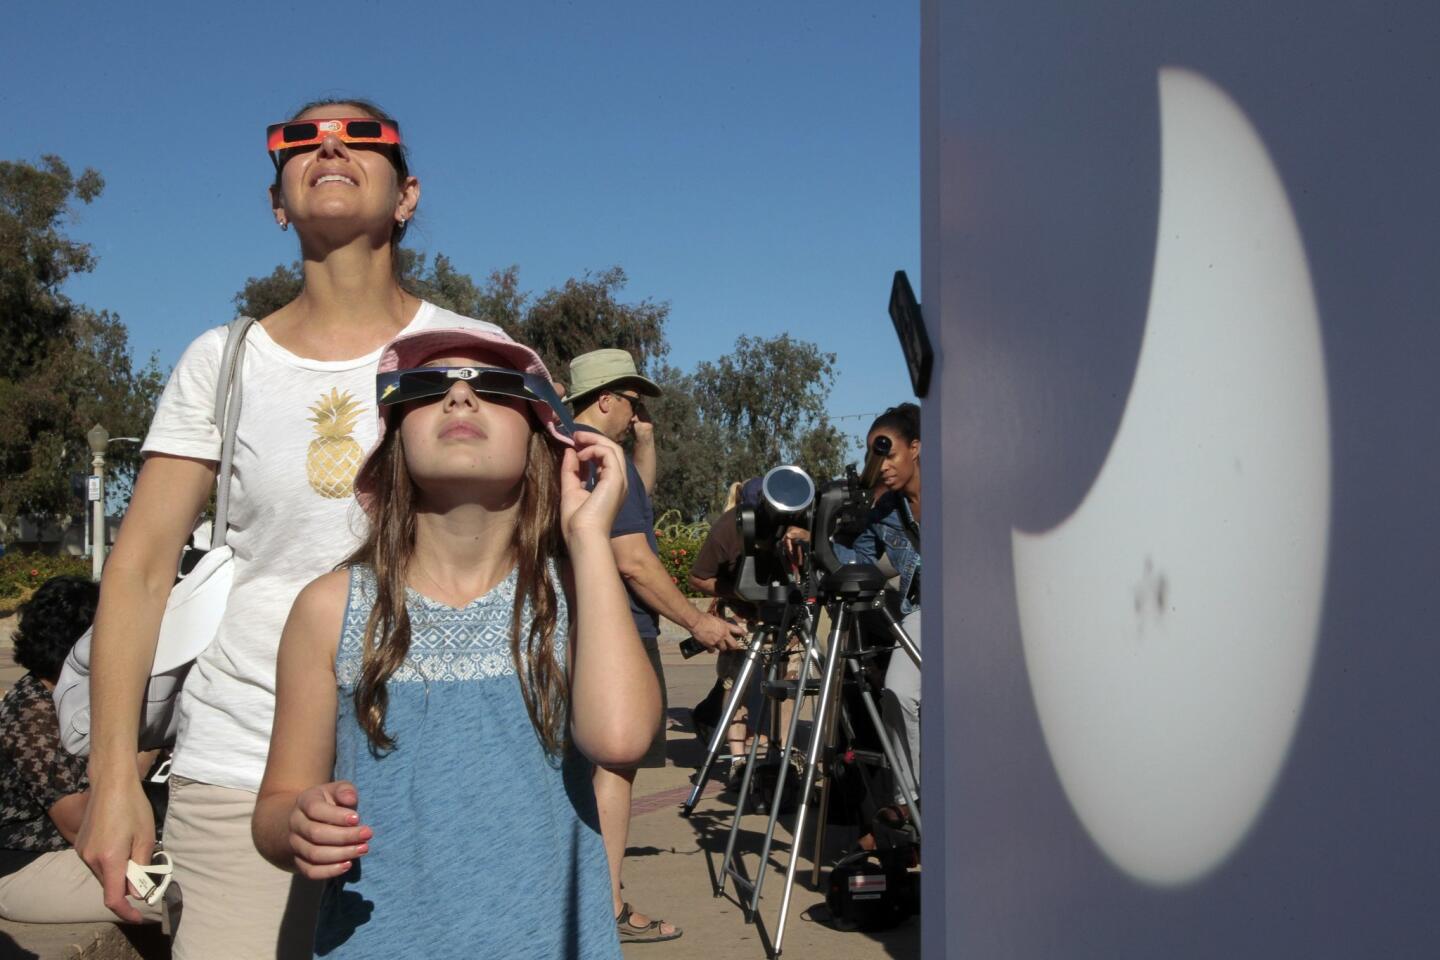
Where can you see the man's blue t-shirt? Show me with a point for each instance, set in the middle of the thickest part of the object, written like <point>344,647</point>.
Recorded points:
<point>636,515</point>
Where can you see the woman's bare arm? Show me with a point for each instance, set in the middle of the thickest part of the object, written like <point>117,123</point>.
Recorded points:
<point>118,825</point>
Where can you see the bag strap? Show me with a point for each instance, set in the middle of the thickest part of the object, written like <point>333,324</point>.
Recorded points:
<point>227,417</point>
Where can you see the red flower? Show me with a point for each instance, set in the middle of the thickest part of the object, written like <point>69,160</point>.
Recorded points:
<point>34,572</point>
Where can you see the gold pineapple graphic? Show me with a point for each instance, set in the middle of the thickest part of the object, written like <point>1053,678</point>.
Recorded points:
<point>334,456</point>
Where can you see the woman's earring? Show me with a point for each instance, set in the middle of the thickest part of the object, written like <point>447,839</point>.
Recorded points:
<point>400,222</point>
<point>284,224</point>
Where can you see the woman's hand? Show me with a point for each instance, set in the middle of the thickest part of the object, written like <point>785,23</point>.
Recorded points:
<point>326,834</point>
<point>794,536</point>
<point>591,511</point>
<point>119,826</point>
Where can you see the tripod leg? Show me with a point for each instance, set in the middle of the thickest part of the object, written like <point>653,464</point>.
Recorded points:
<point>742,798</point>
<point>828,698</point>
<point>902,638</point>
<point>722,729</point>
<point>823,812</point>
<point>893,757</point>
<point>812,655</point>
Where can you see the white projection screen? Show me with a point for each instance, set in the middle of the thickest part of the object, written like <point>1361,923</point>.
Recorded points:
<point>1181,271</point>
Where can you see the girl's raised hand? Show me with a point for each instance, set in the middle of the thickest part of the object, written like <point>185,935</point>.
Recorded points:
<point>326,834</point>
<point>591,511</point>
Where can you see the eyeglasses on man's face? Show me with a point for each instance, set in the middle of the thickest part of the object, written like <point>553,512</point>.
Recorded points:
<point>636,403</point>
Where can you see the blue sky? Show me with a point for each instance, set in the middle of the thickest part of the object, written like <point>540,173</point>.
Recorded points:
<point>756,165</point>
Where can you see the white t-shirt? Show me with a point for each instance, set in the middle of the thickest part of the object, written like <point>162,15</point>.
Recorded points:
<point>304,427</point>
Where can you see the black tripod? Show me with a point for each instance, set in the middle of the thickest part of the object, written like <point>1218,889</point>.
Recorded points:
<point>849,592</point>
<point>777,616</point>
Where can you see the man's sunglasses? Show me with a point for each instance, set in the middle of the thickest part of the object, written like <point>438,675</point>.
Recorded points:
<point>296,134</point>
<point>637,403</point>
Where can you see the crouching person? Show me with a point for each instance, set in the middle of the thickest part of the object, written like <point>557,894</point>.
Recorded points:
<point>43,789</point>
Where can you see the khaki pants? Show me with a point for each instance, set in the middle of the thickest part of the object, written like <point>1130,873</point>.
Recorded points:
<point>58,888</point>
<point>225,900</point>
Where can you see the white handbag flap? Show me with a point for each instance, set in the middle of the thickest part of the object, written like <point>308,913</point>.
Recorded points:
<point>193,612</point>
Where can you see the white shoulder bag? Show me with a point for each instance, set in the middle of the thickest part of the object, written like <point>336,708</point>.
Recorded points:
<point>196,604</point>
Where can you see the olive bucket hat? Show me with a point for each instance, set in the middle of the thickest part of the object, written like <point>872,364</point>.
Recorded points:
<point>599,369</point>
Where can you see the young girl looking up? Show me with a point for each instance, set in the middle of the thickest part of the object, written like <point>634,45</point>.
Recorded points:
<point>441,696</point>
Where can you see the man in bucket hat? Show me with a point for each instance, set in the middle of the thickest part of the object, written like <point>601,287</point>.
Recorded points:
<point>599,369</point>
<point>607,393</point>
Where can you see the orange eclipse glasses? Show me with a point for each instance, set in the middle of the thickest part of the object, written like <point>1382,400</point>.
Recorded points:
<point>298,134</point>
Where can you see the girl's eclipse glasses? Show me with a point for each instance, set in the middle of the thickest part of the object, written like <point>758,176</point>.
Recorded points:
<point>430,383</point>
<point>298,134</point>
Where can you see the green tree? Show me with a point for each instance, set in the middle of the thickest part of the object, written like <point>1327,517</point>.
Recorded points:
<point>587,314</point>
<point>262,296</point>
<point>500,300</point>
<point>63,367</point>
<point>690,472</point>
<point>766,398</point>
<point>36,257</point>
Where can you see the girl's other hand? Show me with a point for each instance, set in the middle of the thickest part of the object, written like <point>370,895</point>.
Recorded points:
<point>326,834</point>
<point>591,511</point>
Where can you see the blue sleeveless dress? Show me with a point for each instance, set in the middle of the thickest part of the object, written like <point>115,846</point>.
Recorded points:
<point>484,846</point>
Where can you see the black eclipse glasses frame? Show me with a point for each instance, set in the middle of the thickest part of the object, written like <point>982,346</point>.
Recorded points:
<point>395,387</point>
<point>430,383</point>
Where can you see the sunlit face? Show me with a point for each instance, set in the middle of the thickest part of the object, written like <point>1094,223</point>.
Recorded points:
<point>901,464</point>
<point>340,183</point>
<point>464,439</point>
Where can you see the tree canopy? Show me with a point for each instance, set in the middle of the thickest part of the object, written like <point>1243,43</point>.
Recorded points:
<point>437,281</point>
<point>63,366</point>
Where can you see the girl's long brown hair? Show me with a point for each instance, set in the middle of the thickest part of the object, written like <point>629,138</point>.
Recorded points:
<point>388,550</point>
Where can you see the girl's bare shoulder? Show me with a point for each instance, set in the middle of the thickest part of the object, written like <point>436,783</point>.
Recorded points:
<point>319,612</point>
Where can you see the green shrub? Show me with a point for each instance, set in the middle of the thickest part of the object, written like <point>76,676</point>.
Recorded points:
<point>22,573</point>
<point>679,543</point>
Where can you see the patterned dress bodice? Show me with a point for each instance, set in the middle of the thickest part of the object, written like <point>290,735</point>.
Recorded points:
<point>484,844</point>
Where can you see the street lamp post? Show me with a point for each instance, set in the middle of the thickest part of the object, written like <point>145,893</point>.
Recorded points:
<point>99,439</point>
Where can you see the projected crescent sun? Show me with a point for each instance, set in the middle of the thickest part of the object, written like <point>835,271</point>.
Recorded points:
<point>1169,623</point>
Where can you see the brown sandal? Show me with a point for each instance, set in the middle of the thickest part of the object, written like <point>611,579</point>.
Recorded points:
<point>631,932</point>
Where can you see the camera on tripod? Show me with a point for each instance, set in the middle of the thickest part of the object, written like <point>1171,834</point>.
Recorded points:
<point>788,499</point>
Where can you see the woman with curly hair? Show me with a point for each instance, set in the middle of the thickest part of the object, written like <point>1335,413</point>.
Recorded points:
<point>43,789</point>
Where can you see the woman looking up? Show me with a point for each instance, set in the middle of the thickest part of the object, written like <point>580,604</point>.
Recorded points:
<point>307,415</point>
<point>893,531</point>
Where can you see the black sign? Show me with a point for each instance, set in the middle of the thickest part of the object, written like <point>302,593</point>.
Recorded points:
<point>910,328</point>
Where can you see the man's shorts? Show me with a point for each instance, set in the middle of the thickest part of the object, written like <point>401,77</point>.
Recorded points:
<point>655,756</point>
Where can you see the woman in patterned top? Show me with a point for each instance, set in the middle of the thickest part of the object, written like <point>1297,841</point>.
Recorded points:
<point>43,789</point>
<point>441,697</point>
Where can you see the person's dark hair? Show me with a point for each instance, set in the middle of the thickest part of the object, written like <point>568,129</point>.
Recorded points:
<point>585,402</point>
<point>397,153</point>
<point>903,418</point>
<point>51,621</point>
<point>388,549</point>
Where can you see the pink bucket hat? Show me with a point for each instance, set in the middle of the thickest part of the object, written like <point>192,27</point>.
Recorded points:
<point>413,349</point>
